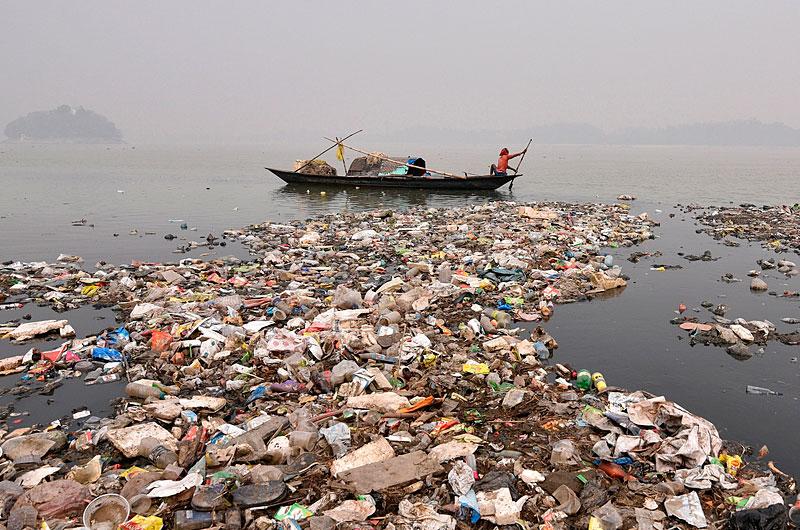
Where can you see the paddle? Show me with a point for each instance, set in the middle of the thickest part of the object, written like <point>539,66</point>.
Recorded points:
<point>516,171</point>
<point>326,150</point>
<point>524,152</point>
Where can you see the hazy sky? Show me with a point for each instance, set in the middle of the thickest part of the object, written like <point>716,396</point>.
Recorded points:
<point>250,70</point>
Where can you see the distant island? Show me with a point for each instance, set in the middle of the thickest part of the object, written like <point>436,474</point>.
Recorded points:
<point>730,133</point>
<point>63,124</point>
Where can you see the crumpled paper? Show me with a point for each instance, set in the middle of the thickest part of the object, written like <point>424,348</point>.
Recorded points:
<point>687,508</point>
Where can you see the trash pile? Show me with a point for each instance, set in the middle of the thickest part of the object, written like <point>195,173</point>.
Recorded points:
<point>737,335</point>
<point>777,227</point>
<point>379,369</point>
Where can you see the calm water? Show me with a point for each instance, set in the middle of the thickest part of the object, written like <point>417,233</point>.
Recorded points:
<point>628,337</point>
<point>120,189</point>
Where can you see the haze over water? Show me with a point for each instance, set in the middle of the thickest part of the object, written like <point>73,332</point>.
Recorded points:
<point>123,188</point>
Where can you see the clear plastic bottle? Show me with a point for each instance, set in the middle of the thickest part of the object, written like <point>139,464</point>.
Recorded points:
<point>160,456</point>
<point>142,391</point>
<point>502,318</point>
<point>794,512</point>
<point>105,378</point>
<point>541,350</point>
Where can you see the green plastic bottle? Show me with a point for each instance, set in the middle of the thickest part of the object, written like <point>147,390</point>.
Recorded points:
<point>584,380</point>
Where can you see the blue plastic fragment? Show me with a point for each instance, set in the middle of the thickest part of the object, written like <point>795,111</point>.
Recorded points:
<point>256,393</point>
<point>106,354</point>
<point>468,507</point>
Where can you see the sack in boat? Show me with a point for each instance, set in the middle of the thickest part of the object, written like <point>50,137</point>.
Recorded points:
<point>375,159</point>
<point>315,167</point>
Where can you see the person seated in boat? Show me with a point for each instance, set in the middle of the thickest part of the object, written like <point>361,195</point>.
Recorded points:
<point>501,169</point>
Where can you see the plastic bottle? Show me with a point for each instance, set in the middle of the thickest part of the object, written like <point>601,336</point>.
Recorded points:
<point>732,463</point>
<point>599,381</point>
<point>142,391</point>
<point>389,318</point>
<point>762,391</point>
<point>541,350</point>
<point>614,470</point>
<point>194,520</point>
<point>172,390</point>
<point>303,440</point>
<point>159,455</point>
<point>105,378</point>
<point>140,504</point>
<point>486,324</point>
<point>583,380</point>
<point>472,462</point>
<point>794,512</point>
<point>502,318</point>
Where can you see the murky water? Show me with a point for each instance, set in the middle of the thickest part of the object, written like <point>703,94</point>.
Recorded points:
<point>135,191</point>
<point>630,339</point>
<point>127,193</point>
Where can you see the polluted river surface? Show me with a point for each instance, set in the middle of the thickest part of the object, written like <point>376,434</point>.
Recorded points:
<point>626,333</point>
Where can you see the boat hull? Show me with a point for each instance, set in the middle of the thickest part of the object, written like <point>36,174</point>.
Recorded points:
<point>486,182</point>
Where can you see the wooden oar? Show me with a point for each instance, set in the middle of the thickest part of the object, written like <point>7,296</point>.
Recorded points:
<point>525,152</point>
<point>326,150</point>
<point>450,175</point>
<point>516,171</point>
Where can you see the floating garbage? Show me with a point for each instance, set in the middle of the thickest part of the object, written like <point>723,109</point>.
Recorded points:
<point>377,368</point>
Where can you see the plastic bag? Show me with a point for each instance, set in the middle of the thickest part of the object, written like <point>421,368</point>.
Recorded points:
<point>106,354</point>
<point>118,335</point>
<point>160,341</point>
<point>346,298</point>
<point>139,522</point>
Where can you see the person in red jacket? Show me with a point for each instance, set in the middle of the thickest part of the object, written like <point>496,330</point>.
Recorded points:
<point>501,169</point>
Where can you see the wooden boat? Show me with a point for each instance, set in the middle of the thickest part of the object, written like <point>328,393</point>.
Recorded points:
<point>479,182</point>
<point>381,171</point>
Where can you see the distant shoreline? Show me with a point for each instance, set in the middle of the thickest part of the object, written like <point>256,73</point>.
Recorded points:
<point>63,141</point>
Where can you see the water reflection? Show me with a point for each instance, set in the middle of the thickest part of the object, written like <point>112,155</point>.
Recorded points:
<point>314,200</point>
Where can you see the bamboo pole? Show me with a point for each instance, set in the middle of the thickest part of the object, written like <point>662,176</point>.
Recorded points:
<point>326,150</point>
<point>451,175</point>
<point>344,164</point>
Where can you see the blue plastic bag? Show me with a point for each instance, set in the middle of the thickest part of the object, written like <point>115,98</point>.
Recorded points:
<point>106,354</point>
<point>117,335</point>
<point>468,507</point>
